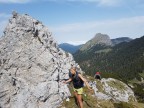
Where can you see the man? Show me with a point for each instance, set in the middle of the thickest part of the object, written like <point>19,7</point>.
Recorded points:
<point>78,81</point>
<point>97,75</point>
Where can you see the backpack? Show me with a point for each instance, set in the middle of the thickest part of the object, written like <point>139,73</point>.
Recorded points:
<point>77,81</point>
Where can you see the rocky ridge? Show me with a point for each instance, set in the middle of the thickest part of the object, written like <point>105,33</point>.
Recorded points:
<point>112,89</point>
<point>108,93</point>
<point>31,65</point>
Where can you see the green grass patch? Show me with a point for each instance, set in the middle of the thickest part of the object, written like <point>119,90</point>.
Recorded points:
<point>141,74</point>
<point>89,100</point>
<point>134,81</point>
<point>116,84</point>
<point>128,105</point>
<point>99,85</point>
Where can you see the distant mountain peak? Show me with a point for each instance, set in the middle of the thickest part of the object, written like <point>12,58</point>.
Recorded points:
<point>99,38</point>
<point>69,47</point>
<point>100,35</point>
<point>102,38</point>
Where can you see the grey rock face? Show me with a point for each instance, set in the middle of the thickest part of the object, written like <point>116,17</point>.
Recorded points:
<point>112,89</point>
<point>31,66</point>
<point>102,39</point>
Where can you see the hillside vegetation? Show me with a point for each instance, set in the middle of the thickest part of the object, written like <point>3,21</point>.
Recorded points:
<point>90,101</point>
<point>124,61</point>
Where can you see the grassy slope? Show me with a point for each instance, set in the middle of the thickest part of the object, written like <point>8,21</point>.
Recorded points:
<point>91,102</point>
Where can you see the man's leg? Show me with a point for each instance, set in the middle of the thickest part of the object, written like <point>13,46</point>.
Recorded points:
<point>79,98</point>
<point>75,96</point>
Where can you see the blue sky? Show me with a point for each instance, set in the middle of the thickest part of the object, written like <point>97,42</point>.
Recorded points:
<point>77,21</point>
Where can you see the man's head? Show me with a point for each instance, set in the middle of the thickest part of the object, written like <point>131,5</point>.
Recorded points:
<point>73,70</point>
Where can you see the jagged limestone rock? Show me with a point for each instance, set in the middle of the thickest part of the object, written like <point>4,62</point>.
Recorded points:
<point>112,89</point>
<point>31,65</point>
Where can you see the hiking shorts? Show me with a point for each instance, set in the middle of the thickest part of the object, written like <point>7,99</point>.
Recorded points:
<point>79,90</point>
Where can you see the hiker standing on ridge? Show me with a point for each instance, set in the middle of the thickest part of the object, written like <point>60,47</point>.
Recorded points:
<point>97,75</point>
<point>78,83</point>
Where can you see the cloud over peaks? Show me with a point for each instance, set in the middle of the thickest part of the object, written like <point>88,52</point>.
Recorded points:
<point>97,2</point>
<point>125,27</point>
<point>14,1</point>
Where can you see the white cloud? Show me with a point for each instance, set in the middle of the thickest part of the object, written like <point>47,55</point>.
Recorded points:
<point>109,2</point>
<point>103,2</point>
<point>97,2</point>
<point>132,27</point>
<point>4,15</point>
<point>14,1</point>
<point>76,42</point>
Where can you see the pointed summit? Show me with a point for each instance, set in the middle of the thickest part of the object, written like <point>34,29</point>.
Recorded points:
<point>99,38</point>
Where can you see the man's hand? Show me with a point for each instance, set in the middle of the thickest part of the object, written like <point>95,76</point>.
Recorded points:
<point>64,82</point>
<point>91,90</point>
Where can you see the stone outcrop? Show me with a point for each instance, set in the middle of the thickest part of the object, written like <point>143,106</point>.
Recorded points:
<point>31,65</point>
<point>108,93</point>
<point>112,89</point>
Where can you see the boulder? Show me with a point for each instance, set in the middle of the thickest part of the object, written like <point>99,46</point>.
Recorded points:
<point>113,89</point>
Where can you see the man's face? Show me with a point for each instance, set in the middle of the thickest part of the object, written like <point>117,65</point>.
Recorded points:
<point>73,71</point>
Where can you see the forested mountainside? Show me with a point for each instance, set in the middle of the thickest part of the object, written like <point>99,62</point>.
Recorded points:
<point>124,61</point>
<point>120,40</point>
